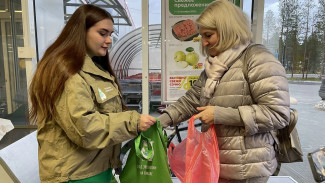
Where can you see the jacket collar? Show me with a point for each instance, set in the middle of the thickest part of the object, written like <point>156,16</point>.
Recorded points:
<point>91,68</point>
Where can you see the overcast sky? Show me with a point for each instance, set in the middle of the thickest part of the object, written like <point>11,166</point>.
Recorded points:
<point>154,11</point>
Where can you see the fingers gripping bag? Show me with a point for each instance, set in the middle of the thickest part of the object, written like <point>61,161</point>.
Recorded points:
<point>196,158</point>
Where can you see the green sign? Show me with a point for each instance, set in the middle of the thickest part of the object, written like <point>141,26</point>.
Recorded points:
<point>188,7</point>
<point>236,2</point>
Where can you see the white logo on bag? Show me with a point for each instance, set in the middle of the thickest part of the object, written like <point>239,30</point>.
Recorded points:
<point>101,94</point>
<point>145,151</point>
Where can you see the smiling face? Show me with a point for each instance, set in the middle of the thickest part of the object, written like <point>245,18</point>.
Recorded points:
<point>210,40</point>
<point>98,38</point>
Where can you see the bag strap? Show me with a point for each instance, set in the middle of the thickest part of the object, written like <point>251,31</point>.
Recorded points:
<point>293,112</point>
<point>293,119</point>
<point>162,133</point>
<point>245,66</point>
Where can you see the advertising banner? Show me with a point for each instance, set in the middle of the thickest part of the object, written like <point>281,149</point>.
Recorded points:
<point>182,61</point>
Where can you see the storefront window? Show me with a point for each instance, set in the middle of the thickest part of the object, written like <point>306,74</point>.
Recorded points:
<point>13,75</point>
<point>13,85</point>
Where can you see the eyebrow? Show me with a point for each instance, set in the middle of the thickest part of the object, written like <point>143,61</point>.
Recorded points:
<point>103,29</point>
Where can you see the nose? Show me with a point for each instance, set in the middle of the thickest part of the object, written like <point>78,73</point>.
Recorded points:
<point>108,40</point>
<point>205,42</point>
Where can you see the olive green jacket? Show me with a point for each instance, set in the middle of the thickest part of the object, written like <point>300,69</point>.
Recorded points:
<point>85,138</point>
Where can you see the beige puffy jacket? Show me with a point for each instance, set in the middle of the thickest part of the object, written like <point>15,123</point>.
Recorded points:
<point>243,128</point>
<point>86,137</point>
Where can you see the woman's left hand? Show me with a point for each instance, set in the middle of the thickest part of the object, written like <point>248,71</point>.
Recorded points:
<point>206,115</point>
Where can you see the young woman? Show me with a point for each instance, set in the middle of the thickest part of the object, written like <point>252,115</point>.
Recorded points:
<point>244,110</point>
<point>77,103</point>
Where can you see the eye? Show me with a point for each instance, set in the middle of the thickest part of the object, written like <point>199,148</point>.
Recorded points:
<point>208,35</point>
<point>103,33</point>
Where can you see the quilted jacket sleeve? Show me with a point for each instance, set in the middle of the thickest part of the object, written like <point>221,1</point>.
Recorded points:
<point>269,91</point>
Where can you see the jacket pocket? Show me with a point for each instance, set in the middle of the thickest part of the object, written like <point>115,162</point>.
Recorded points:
<point>107,97</point>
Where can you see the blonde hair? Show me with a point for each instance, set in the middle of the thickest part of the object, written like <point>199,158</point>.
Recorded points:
<point>230,22</point>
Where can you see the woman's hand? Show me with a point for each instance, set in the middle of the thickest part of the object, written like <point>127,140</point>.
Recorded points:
<point>206,115</point>
<point>146,121</point>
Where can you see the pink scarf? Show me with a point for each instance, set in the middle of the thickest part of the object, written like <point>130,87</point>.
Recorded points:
<point>215,67</point>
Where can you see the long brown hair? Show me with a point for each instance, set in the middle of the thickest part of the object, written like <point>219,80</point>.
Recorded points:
<point>64,58</point>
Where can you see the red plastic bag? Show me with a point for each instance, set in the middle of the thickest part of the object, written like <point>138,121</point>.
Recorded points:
<point>196,158</point>
<point>176,158</point>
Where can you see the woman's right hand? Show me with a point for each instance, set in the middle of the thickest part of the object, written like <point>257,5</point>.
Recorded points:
<point>146,121</point>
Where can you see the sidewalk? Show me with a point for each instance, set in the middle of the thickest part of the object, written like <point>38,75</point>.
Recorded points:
<point>310,127</point>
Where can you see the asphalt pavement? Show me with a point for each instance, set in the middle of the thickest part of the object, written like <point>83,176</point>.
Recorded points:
<point>310,127</point>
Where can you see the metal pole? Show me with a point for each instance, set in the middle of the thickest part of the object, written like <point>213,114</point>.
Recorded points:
<point>145,57</point>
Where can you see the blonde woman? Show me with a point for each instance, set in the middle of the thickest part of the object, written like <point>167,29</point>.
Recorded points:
<point>244,111</point>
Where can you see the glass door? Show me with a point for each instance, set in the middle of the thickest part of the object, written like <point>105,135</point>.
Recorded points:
<point>13,85</point>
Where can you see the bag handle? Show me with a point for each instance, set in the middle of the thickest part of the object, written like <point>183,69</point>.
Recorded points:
<point>293,119</point>
<point>191,126</point>
<point>144,145</point>
<point>171,148</point>
<point>162,133</point>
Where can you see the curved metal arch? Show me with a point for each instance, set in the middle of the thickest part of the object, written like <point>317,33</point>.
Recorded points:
<point>127,57</point>
<point>121,49</point>
<point>131,49</point>
<point>125,49</point>
<point>124,56</point>
<point>128,60</point>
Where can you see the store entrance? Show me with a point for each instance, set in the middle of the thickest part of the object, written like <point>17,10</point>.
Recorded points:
<point>13,85</point>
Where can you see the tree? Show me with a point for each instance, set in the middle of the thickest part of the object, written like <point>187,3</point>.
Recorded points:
<point>320,31</point>
<point>313,52</point>
<point>282,45</point>
<point>289,33</point>
<point>269,25</point>
<point>308,5</point>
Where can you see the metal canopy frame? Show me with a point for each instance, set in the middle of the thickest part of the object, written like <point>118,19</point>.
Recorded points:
<point>118,11</point>
<point>128,47</point>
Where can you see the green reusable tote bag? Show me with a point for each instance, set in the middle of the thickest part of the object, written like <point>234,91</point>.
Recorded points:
<point>147,161</point>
